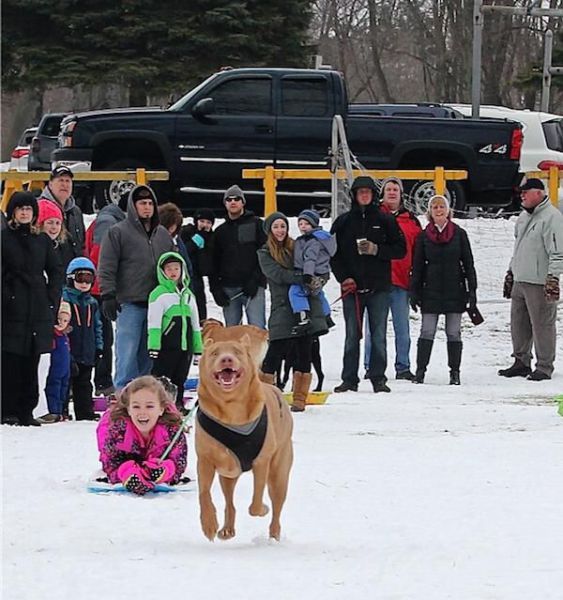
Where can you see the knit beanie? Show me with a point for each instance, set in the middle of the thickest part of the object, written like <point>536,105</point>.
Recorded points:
<point>142,192</point>
<point>48,210</point>
<point>274,217</point>
<point>19,199</point>
<point>64,307</point>
<point>433,200</point>
<point>311,216</point>
<point>204,213</point>
<point>391,179</point>
<point>234,192</point>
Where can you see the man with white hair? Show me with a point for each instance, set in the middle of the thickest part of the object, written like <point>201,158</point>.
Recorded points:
<point>532,283</point>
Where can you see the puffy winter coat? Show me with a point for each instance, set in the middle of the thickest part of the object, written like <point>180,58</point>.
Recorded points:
<point>129,255</point>
<point>173,320</point>
<point>313,251</point>
<point>202,258</point>
<point>120,441</point>
<point>369,272</point>
<point>538,248</point>
<point>443,274</point>
<point>86,335</point>
<point>73,219</point>
<point>281,319</point>
<point>29,301</point>
<point>236,242</point>
<point>410,226</point>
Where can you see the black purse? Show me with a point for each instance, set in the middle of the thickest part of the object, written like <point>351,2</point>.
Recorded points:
<point>475,316</point>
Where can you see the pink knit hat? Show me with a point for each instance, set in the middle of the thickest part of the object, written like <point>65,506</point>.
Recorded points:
<point>48,210</point>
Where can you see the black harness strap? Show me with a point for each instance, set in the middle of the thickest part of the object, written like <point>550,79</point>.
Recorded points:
<point>245,446</point>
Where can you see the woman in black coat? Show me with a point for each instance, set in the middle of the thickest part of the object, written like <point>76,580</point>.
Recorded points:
<point>32,280</point>
<point>443,281</point>
<point>276,262</point>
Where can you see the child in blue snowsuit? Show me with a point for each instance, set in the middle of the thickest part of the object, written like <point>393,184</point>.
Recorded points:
<point>56,388</point>
<point>311,254</point>
<point>86,341</point>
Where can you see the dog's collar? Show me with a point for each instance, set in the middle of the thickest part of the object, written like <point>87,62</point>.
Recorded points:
<point>245,441</point>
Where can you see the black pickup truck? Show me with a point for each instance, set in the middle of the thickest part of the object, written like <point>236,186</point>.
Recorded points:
<point>255,117</point>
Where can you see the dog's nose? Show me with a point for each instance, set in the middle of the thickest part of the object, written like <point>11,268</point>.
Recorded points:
<point>227,361</point>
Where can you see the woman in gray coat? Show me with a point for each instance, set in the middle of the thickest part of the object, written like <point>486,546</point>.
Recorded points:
<point>276,262</point>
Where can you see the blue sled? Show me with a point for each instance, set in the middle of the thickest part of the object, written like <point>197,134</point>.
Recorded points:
<point>100,487</point>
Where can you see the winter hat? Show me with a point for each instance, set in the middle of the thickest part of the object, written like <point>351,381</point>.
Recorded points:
<point>394,180</point>
<point>234,192</point>
<point>19,199</point>
<point>80,263</point>
<point>142,192</point>
<point>533,184</point>
<point>48,210</point>
<point>61,171</point>
<point>269,221</point>
<point>363,181</point>
<point>311,216</point>
<point>204,213</point>
<point>431,202</point>
<point>172,257</point>
<point>64,307</point>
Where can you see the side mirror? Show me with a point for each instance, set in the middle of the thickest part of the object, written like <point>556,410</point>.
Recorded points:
<point>203,108</point>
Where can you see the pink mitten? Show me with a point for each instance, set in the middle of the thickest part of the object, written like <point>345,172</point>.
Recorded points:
<point>133,478</point>
<point>160,471</point>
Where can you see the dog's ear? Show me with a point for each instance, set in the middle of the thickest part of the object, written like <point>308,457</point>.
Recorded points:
<point>245,341</point>
<point>207,342</point>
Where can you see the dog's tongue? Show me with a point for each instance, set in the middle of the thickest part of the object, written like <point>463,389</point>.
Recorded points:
<point>227,376</point>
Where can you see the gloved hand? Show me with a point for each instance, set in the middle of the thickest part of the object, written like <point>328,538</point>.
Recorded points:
<point>198,241</point>
<point>110,307</point>
<point>551,288</point>
<point>508,284</point>
<point>313,284</point>
<point>250,288</point>
<point>367,247</point>
<point>348,286</point>
<point>472,299</point>
<point>159,471</point>
<point>154,354</point>
<point>132,477</point>
<point>220,297</point>
<point>415,303</point>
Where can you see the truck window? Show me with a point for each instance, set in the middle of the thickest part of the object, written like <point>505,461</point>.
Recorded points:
<point>553,131</point>
<point>251,96</point>
<point>304,97</point>
<point>51,126</point>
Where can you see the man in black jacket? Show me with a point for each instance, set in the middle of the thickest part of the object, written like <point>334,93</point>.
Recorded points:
<point>367,240</point>
<point>237,280</point>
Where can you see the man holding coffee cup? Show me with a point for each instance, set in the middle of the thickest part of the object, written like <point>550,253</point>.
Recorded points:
<point>367,240</point>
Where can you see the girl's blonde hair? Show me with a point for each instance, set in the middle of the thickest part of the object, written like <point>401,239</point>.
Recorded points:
<point>147,382</point>
<point>61,238</point>
<point>281,252</point>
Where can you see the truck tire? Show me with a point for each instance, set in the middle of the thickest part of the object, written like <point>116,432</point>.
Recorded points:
<point>417,198</point>
<point>109,192</point>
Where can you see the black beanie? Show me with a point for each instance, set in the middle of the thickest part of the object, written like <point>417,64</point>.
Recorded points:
<point>19,199</point>
<point>270,221</point>
<point>204,213</point>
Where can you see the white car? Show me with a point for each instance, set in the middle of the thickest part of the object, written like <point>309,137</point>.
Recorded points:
<point>19,156</point>
<point>543,134</point>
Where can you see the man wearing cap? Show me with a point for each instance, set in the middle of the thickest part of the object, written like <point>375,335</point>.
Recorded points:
<point>532,283</point>
<point>127,272</point>
<point>237,281</point>
<point>59,191</point>
<point>367,240</point>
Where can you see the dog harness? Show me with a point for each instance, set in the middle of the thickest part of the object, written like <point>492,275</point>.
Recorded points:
<point>245,441</point>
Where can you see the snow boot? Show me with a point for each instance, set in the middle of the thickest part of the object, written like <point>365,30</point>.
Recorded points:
<point>301,386</point>
<point>423,352</point>
<point>454,361</point>
<point>517,369</point>
<point>267,377</point>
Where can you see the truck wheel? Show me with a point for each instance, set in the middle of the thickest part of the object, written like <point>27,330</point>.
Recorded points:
<point>416,200</point>
<point>109,192</point>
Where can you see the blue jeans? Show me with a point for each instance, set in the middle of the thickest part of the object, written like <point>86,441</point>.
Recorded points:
<point>131,354</point>
<point>376,305</point>
<point>255,308</point>
<point>399,305</point>
<point>299,299</point>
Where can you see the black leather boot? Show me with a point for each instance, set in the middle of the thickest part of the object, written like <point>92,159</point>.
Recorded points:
<point>423,352</point>
<point>454,361</point>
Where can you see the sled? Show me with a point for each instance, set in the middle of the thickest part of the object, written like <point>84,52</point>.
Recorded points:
<point>312,397</point>
<point>102,486</point>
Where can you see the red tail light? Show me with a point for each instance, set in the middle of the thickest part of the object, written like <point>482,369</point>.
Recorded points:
<point>20,152</point>
<point>516,144</point>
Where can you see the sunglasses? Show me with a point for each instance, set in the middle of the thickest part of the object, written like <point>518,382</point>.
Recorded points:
<point>233,199</point>
<point>82,277</point>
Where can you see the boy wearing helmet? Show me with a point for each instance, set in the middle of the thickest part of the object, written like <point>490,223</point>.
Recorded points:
<point>86,342</point>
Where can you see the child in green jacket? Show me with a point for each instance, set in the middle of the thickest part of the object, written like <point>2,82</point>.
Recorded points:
<point>173,323</point>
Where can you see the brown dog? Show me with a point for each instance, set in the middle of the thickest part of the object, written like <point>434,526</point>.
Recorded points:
<point>242,424</point>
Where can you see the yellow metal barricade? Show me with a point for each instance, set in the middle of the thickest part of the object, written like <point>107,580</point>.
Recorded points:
<point>270,176</point>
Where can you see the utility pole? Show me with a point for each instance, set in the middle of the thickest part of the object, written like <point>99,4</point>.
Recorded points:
<point>533,11</point>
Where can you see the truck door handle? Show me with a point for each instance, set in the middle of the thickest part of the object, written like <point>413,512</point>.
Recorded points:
<point>263,129</point>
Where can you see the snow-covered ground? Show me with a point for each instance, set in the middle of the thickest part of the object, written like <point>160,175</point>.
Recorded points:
<point>430,492</point>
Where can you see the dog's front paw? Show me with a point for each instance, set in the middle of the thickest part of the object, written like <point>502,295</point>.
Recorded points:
<point>226,533</point>
<point>275,531</point>
<point>258,510</point>
<point>209,525</point>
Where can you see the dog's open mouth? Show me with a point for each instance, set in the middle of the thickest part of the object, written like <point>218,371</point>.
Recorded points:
<point>228,377</point>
